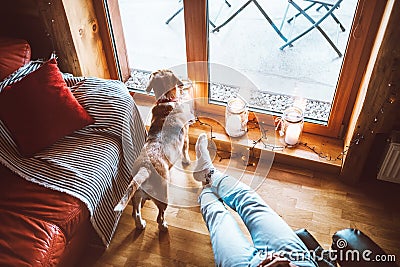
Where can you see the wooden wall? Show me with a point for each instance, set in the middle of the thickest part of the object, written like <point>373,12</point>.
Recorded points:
<point>115,52</point>
<point>54,18</point>
<point>378,103</point>
<point>77,36</point>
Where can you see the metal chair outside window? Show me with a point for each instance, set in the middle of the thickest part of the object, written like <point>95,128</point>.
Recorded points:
<point>259,7</point>
<point>328,5</point>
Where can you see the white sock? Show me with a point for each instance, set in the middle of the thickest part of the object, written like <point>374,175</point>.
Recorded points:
<point>204,168</point>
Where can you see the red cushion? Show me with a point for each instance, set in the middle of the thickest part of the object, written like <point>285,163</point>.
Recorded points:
<point>40,109</point>
<point>14,53</point>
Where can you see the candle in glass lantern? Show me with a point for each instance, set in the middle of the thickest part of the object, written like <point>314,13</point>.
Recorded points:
<point>292,124</point>
<point>292,135</point>
<point>236,117</point>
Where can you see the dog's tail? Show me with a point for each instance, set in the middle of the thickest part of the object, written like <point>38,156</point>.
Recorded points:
<point>142,175</point>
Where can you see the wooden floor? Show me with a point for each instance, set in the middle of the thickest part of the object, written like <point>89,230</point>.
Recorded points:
<point>305,199</point>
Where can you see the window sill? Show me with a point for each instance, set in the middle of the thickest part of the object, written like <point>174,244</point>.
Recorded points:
<point>315,152</point>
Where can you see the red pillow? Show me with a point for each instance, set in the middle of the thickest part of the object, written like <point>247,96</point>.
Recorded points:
<point>14,53</point>
<point>40,109</point>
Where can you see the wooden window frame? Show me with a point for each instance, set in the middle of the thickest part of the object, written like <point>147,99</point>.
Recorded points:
<point>363,33</point>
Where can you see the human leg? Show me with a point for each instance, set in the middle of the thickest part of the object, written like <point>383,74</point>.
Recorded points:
<point>230,246</point>
<point>268,230</point>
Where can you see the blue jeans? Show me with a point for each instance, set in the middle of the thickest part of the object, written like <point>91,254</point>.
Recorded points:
<point>269,232</point>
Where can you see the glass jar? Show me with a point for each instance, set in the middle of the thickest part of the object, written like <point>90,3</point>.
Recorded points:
<point>292,126</point>
<point>236,117</point>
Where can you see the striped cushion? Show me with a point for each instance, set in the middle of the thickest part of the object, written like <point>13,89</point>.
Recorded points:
<point>21,73</point>
<point>31,67</point>
<point>72,81</point>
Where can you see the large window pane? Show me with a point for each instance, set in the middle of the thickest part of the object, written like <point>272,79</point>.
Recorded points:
<point>308,70</point>
<point>152,44</point>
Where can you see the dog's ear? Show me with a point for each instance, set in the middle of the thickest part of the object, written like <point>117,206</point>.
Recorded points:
<point>162,81</point>
<point>150,84</point>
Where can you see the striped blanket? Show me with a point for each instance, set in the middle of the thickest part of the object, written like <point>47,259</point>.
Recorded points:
<point>94,163</point>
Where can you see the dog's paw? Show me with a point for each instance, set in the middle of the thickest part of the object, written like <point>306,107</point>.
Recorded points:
<point>186,161</point>
<point>140,225</point>
<point>163,227</point>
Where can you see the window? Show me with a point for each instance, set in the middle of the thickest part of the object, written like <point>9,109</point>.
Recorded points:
<point>190,29</point>
<point>308,70</point>
<point>154,32</point>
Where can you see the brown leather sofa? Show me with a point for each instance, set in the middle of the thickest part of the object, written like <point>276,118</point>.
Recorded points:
<point>38,226</point>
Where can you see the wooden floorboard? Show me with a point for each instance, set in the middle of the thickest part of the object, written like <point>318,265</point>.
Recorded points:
<point>305,199</point>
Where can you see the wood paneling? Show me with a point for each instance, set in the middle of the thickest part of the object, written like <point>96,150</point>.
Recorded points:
<point>373,21</point>
<point>115,52</point>
<point>75,31</point>
<point>196,34</point>
<point>196,30</point>
<point>373,112</point>
<point>84,29</point>
<point>56,21</point>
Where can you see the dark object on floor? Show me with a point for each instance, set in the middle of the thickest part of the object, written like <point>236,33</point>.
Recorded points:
<point>350,248</point>
<point>321,257</point>
<point>347,241</point>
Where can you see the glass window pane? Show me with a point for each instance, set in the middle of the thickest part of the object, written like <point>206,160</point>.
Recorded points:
<point>308,69</point>
<point>151,42</point>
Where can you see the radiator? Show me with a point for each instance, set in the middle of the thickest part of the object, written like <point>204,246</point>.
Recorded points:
<point>390,167</point>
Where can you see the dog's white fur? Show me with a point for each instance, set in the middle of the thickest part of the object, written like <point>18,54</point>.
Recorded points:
<point>166,143</point>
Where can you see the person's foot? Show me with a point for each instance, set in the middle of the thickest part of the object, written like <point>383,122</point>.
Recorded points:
<point>204,168</point>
